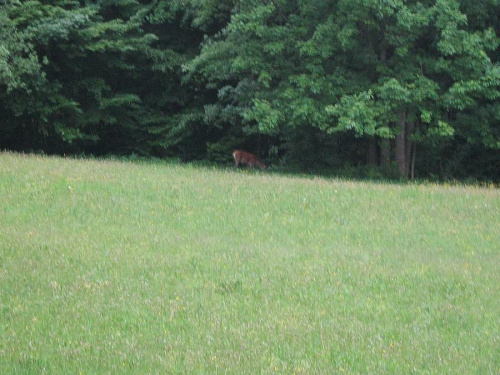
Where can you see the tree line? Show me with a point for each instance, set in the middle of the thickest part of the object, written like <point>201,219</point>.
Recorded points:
<point>402,88</point>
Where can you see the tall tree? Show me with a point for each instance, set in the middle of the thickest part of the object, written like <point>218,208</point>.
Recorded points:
<point>421,61</point>
<point>404,71</point>
<point>94,64</point>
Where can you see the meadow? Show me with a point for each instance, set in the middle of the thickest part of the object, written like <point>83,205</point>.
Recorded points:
<point>113,267</point>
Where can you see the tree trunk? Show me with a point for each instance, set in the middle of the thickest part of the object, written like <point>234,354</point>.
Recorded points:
<point>371,152</point>
<point>409,146</point>
<point>414,129</point>
<point>413,155</point>
<point>385,152</point>
<point>401,146</point>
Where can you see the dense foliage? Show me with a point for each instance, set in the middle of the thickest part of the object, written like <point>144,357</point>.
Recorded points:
<point>402,87</point>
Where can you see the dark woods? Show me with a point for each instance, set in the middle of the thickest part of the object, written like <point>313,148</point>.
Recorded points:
<point>363,88</point>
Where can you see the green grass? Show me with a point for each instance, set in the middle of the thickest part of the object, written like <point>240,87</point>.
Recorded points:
<point>111,267</point>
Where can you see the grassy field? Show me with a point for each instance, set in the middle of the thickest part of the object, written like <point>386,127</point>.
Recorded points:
<point>111,267</point>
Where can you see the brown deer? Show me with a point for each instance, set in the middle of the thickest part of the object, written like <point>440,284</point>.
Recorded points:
<point>243,157</point>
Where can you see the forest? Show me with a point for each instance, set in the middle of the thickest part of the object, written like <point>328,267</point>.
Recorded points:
<point>397,89</point>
